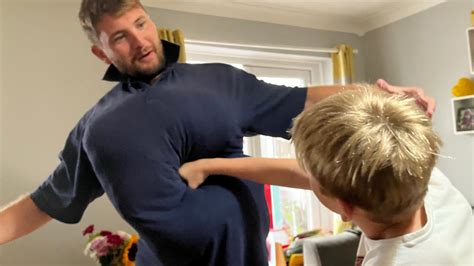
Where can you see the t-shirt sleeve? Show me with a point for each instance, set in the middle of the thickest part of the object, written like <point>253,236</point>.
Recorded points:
<point>265,108</point>
<point>72,186</point>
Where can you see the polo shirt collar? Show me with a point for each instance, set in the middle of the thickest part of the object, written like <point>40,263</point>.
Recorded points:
<point>170,50</point>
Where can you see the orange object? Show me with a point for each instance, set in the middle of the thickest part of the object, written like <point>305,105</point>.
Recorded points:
<point>464,87</point>
<point>296,260</point>
<point>279,255</point>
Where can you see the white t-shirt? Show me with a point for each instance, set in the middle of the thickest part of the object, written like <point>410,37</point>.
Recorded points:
<point>446,238</point>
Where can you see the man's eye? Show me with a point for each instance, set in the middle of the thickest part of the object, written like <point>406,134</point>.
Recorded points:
<point>141,24</point>
<point>118,38</point>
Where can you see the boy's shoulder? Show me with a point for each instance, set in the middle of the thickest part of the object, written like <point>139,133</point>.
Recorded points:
<point>444,199</point>
<point>444,240</point>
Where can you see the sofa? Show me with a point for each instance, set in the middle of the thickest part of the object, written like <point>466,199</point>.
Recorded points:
<point>340,249</point>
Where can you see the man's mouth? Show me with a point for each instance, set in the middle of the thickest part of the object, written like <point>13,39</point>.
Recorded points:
<point>144,56</point>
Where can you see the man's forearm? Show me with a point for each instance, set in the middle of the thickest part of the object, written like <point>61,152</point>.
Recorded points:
<point>280,172</point>
<point>20,218</point>
<point>317,93</point>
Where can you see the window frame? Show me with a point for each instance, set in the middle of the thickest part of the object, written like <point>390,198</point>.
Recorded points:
<point>319,69</point>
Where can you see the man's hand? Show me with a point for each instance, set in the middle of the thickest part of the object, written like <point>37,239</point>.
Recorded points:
<point>426,102</point>
<point>193,173</point>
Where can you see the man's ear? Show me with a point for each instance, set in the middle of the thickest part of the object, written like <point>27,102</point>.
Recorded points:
<point>99,53</point>
<point>347,210</point>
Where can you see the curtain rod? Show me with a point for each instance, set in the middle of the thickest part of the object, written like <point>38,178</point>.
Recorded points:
<point>283,48</point>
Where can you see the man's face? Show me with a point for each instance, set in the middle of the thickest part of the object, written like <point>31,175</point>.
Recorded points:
<point>130,42</point>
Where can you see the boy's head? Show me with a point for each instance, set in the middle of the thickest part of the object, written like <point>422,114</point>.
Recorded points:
<point>370,149</point>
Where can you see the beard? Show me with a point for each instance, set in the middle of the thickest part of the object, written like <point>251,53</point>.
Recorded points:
<point>139,70</point>
<point>147,73</point>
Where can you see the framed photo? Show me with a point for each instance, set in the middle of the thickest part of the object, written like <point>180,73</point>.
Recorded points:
<point>465,118</point>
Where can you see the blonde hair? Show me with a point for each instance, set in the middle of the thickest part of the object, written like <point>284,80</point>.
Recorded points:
<point>369,148</point>
<point>92,11</point>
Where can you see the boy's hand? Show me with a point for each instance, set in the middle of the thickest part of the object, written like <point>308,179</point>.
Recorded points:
<point>426,102</point>
<point>193,173</point>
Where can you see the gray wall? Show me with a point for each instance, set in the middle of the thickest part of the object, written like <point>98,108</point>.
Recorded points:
<point>429,50</point>
<point>218,29</point>
<point>50,79</point>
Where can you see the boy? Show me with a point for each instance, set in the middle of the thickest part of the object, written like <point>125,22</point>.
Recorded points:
<point>369,156</point>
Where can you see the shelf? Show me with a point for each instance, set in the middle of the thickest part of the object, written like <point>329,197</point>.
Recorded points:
<point>463,114</point>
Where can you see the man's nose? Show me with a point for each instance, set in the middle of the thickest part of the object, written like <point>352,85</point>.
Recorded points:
<point>138,40</point>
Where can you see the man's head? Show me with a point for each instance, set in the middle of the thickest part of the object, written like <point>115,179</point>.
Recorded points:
<point>123,34</point>
<point>369,149</point>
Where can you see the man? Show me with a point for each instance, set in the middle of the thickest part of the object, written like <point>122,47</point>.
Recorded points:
<point>159,116</point>
<point>369,156</point>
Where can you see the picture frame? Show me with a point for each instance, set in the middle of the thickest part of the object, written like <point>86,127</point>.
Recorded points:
<point>465,119</point>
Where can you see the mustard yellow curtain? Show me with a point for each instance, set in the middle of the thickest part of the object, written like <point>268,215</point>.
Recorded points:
<point>176,37</point>
<point>343,65</point>
<point>343,71</point>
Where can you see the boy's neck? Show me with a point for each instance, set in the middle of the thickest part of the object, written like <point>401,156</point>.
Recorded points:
<point>377,231</point>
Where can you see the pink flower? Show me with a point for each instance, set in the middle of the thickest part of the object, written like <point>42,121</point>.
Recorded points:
<point>100,246</point>
<point>88,230</point>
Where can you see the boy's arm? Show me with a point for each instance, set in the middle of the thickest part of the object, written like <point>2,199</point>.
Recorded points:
<point>20,218</point>
<point>280,172</point>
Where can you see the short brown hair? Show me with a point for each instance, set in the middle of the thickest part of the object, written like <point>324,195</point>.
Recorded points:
<point>92,11</point>
<point>369,148</point>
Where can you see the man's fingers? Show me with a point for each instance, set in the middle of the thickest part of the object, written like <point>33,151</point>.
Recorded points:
<point>382,84</point>
<point>427,103</point>
<point>193,185</point>
<point>430,109</point>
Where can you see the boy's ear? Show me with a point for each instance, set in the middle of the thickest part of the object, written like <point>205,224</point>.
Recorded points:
<point>99,53</point>
<point>347,210</point>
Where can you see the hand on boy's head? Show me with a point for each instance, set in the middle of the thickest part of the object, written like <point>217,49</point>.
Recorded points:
<point>193,173</point>
<point>427,103</point>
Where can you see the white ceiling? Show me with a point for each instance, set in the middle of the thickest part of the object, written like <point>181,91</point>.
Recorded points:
<point>353,16</point>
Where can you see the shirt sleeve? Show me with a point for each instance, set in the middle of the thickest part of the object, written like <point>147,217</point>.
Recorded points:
<point>265,108</point>
<point>72,186</point>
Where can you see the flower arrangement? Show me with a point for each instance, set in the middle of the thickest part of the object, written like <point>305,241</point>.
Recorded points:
<point>110,249</point>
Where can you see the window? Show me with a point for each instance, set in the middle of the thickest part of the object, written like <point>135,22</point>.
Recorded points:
<point>294,210</point>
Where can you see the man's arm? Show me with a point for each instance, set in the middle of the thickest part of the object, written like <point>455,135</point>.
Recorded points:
<point>317,93</point>
<point>280,172</point>
<point>20,218</point>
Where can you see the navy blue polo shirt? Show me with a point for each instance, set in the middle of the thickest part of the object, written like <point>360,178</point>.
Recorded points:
<point>132,142</point>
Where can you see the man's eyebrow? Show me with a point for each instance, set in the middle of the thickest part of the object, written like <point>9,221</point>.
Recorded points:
<point>120,31</point>
<point>140,18</point>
